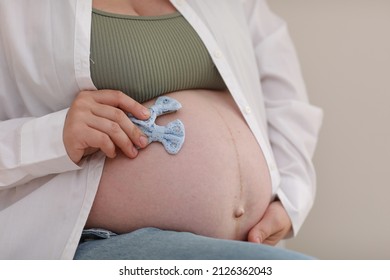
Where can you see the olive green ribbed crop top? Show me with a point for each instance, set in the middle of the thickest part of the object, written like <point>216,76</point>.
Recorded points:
<point>148,56</point>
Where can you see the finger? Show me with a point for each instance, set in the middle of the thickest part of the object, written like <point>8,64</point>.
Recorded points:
<point>273,227</point>
<point>258,233</point>
<point>117,116</point>
<point>115,133</point>
<point>97,139</point>
<point>262,235</point>
<point>122,101</point>
<point>85,139</point>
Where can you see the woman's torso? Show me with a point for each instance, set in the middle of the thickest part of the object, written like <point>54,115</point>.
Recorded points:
<point>217,185</point>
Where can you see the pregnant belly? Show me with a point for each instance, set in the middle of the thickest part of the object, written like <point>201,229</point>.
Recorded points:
<point>218,185</point>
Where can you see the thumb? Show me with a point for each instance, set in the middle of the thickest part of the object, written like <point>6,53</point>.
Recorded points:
<point>260,232</point>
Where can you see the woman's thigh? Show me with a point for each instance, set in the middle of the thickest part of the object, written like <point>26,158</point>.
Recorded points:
<point>155,244</point>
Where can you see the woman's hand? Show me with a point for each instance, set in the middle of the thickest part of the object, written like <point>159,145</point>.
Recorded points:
<point>273,227</point>
<point>97,120</point>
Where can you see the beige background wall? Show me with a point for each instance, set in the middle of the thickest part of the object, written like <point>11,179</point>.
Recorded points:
<point>344,48</point>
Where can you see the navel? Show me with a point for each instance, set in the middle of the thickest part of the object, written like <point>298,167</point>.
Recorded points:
<point>239,212</point>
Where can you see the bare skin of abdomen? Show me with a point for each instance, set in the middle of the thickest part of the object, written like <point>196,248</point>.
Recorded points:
<point>218,185</point>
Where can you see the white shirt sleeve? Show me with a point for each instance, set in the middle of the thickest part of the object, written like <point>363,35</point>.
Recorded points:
<point>31,148</point>
<point>293,123</point>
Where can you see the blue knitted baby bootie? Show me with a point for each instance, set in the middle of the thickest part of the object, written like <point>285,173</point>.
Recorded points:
<point>171,135</point>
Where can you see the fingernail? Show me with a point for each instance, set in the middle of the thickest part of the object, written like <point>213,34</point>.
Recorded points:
<point>146,112</point>
<point>143,141</point>
<point>258,240</point>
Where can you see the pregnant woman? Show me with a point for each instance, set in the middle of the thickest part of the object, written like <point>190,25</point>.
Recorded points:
<point>74,165</point>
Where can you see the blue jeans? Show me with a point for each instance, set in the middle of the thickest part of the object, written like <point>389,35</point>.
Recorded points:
<point>156,244</point>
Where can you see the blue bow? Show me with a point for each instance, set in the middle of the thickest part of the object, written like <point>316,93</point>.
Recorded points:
<point>173,134</point>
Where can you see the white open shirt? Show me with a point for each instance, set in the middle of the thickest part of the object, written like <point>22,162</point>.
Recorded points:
<point>44,62</point>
